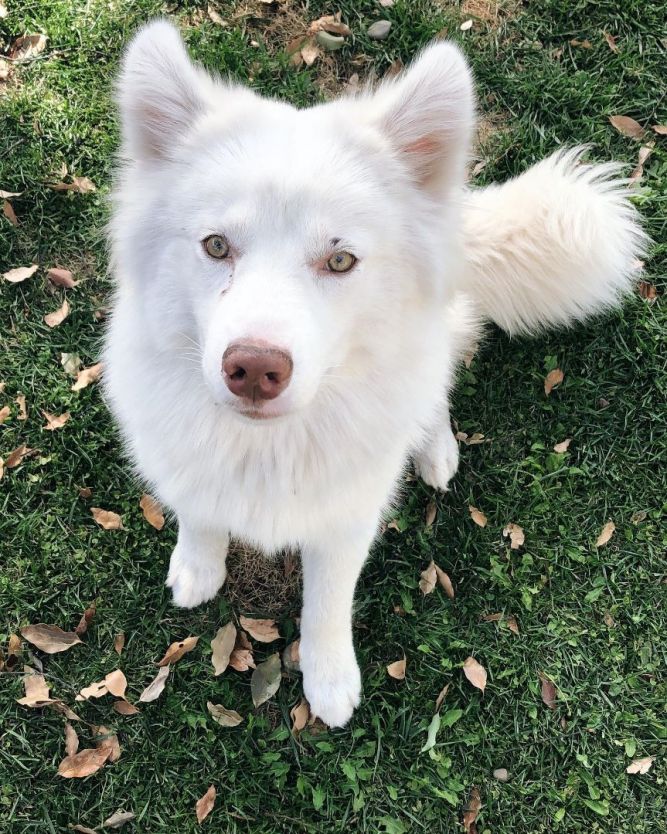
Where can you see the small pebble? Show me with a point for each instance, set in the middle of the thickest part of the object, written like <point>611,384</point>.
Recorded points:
<point>379,30</point>
<point>501,774</point>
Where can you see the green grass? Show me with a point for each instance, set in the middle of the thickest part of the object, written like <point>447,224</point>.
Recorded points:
<point>370,777</point>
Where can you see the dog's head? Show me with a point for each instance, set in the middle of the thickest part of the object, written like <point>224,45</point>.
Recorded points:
<point>276,246</point>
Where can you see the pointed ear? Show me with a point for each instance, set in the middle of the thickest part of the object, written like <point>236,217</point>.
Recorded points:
<point>428,114</point>
<point>160,92</point>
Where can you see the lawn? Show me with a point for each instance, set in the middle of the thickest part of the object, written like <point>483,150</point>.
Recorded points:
<point>590,619</point>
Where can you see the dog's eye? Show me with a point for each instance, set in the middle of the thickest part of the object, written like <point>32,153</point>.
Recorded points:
<point>341,262</point>
<point>216,246</point>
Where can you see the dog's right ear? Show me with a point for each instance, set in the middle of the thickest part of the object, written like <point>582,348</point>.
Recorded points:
<point>160,92</point>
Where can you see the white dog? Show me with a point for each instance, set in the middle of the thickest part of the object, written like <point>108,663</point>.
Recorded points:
<point>294,290</point>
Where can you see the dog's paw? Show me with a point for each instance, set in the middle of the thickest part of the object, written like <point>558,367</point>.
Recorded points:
<point>332,686</point>
<point>193,580</point>
<point>437,462</point>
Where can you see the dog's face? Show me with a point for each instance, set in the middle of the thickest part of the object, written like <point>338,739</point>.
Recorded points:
<point>273,244</point>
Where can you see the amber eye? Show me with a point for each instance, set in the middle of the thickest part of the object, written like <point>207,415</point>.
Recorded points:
<point>341,262</point>
<point>216,246</point>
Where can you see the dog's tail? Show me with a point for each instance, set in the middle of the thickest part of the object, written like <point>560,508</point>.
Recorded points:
<point>553,246</point>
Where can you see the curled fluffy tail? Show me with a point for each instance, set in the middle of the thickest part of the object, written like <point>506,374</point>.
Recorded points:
<point>553,246</point>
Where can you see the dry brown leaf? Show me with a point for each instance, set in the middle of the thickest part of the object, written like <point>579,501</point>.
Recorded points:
<point>82,829</point>
<point>223,716</point>
<point>606,534</point>
<point>563,446</point>
<point>155,687</point>
<point>475,672</point>
<point>611,41</point>
<point>431,513</point>
<point>627,126</point>
<point>516,535</point>
<point>300,713</point>
<point>548,692</point>
<point>62,708</point>
<point>241,659</point>
<point>442,695</point>
<point>55,421</point>
<point>264,631</point>
<point>648,292</point>
<point>428,579</point>
<point>106,740</point>
<point>640,765</point>
<point>50,638</point>
<point>310,52</point>
<point>177,650</point>
<point>661,130</point>
<point>36,689</point>
<point>87,376</point>
<point>85,621</point>
<point>20,273</point>
<point>471,811</point>
<point>467,24</point>
<point>61,277</point>
<point>4,195</point>
<point>396,669</point>
<point>71,740</point>
<point>291,657</point>
<point>118,819</point>
<point>5,411</point>
<point>477,516</point>
<point>57,316</point>
<point>80,185</point>
<point>125,708</point>
<point>10,214</point>
<point>512,624</point>
<point>17,455</point>
<point>552,379</point>
<point>152,511</point>
<point>585,44</point>
<point>23,408</point>
<point>265,680</point>
<point>215,17</point>
<point>27,47</point>
<point>84,763</point>
<point>107,518</point>
<point>223,645</point>
<point>330,23</point>
<point>85,492</point>
<point>445,582</point>
<point>205,805</point>
<point>116,683</point>
<point>119,642</point>
<point>95,690</point>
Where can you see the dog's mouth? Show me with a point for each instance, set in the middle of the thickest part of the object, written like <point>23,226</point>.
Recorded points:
<point>258,412</point>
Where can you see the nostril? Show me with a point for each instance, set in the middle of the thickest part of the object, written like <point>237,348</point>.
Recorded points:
<point>272,376</point>
<point>239,373</point>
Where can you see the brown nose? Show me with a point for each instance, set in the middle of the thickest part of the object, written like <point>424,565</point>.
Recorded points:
<point>256,371</point>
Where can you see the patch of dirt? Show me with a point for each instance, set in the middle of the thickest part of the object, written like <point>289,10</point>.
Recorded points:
<point>490,11</point>
<point>266,585</point>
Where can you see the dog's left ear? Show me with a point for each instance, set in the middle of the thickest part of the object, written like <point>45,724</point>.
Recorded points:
<point>428,115</point>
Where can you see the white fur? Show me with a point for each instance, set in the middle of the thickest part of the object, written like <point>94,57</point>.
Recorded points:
<point>374,350</point>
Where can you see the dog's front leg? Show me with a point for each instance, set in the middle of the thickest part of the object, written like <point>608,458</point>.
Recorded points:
<point>197,568</point>
<point>437,460</point>
<point>331,678</point>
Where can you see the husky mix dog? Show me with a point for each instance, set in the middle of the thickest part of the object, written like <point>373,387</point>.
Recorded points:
<point>294,291</point>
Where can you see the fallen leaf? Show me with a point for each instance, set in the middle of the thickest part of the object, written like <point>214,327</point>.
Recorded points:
<point>606,534</point>
<point>80,185</point>
<point>71,740</point>
<point>224,717</point>
<point>61,277</point>
<point>106,740</point>
<point>71,362</point>
<point>640,765</point>
<point>20,273</point>
<point>552,379</point>
<point>5,411</point>
<point>17,455</point>
<point>27,47</point>
<point>85,492</point>
<point>648,292</point>
<point>55,421</point>
<point>627,126</point>
<point>512,624</point>
<point>116,683</point>
<point>431,513</point>
<point>471,811</point>
<point>87,376</point>
<point>501,774</point>
<point>13,649</point>
<point>177,650</point>
<point>477,516</point>
<point>611,41</point>
<point>49,638</point>
<point>310,52</point>
<point>428,579</point>
<point>23,408</point>
<point>291,658</point>
<point>118,819</point>
<point>432,733</point>
<point>95,690</point>
<point>441,696</point>
<point>36,689</point>
<point>467,24</point>
<point>82,829</point>
<point>516,535</point>
<point>223,645</point>
<point>85,621</point>
<point>119,642</point>
<point>300,713</point>
<point>475,673</point>
<point>107,518</point>
<point>241,659</point>
<point>563,446</point>
<point>60,707</point>
<point>216,17</point>
<point>205,805</point>
<point>396,670</point>
<point>661,130</point>
<point>265,680</point>
<point>330,23</point>
<point>10,214</point>
<point>152,511</point>
<point>4,195</point>
<point>265,631</point>
<point>548,692</point>
<point>155,687</point>
<point>445,582</point>
<point>125,708</point>
<point>585,44</point>
<point>57,316</point>
<point>82,764</point>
